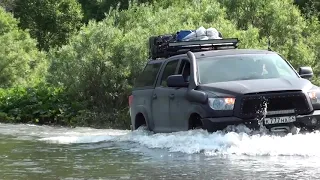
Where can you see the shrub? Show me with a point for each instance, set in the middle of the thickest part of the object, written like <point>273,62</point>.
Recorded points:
<point>41,104</point>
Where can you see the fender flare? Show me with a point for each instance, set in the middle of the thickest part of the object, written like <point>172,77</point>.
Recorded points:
<point>196,109</point>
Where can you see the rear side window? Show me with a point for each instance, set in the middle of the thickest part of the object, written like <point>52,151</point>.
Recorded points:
<point>148,76</point>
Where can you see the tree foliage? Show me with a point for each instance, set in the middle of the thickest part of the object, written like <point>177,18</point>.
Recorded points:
<point>51,22</point>
<point>7,4</point>
<point>309,7</point>
<point>21,62</point>
<point>96,9</point>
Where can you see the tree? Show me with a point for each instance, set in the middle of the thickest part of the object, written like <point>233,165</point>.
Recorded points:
<point>21,64</point>
<point>96,9</point>
<point>283,22</point>
<point>309,7</point>
<point>7,4</point>
<point>51,22</point>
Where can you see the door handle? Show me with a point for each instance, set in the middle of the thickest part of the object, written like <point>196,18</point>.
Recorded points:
<point>171,96</point>
<point>154,96</point>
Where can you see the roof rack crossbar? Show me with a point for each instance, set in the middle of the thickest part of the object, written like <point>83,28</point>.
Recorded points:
<point>166,49</point>
<point>211,42</point>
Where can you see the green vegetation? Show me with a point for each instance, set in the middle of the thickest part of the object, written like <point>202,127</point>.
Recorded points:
<point>96,9</point>
<point>82,76</point>
<point>51,22</point>
<point>309,7</point>
<point>21,62</point>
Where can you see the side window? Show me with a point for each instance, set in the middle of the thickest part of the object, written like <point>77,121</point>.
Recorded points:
<point>184,69</point>
<point>168,70</point>
<point>148,76</point>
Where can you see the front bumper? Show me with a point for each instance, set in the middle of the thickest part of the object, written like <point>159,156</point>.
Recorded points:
<point>310,122</point>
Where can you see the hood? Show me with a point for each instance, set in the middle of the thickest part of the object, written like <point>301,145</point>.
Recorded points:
<point>258,85</point>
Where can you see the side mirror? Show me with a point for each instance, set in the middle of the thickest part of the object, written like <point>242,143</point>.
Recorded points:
<point>176,81</point>
<point>305,72</point>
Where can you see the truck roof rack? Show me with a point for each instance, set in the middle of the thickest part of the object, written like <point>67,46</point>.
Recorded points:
<point>164,47</point>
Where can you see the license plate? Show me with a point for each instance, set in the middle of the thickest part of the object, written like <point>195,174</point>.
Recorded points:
<point>280,120</point>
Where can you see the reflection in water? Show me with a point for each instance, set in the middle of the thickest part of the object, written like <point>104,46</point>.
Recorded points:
<point>32,152</point>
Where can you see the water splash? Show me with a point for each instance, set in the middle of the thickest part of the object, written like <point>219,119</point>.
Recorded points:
<point>238,140</point>
<point>263,112</point>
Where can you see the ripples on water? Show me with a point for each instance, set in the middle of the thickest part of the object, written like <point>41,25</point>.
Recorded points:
<point>180,155</point>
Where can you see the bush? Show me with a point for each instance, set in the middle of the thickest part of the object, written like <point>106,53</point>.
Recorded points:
<point>41,104</point>
<point>48,105</point>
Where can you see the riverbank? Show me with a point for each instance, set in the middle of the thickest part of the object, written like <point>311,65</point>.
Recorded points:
<point>47,105</point>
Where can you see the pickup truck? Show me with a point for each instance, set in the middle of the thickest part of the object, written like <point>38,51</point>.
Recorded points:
<point>212,84</point>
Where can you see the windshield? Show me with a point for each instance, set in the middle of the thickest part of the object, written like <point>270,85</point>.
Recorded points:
<point>243,67</point>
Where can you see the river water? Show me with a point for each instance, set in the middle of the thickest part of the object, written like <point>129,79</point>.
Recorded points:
<point>42,152</point>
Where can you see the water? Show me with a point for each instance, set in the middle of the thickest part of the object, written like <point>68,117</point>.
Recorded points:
<point>35,152</point>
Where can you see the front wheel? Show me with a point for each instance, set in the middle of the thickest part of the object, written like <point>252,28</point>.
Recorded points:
<point>195,122</point>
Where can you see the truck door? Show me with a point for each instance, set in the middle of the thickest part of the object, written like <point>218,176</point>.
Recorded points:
<point>179,104</point>
<point>161,98</point>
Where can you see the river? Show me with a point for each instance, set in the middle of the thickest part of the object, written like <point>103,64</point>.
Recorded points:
<point>43,152</point>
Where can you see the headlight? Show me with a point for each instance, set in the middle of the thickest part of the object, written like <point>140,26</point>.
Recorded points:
<point>313,95</point>
<point>222,103</point>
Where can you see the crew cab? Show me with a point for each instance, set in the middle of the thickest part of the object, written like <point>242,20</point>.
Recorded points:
<point>211,84</point>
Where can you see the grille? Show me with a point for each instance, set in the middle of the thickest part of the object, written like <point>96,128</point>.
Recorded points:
<point>281,103</point>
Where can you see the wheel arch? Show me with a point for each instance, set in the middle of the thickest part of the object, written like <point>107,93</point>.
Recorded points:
<point>195,113</point>
<point>139,117</point>
<point>139,120</point>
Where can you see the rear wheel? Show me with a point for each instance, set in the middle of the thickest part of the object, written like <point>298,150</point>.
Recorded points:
<point>195,122</point>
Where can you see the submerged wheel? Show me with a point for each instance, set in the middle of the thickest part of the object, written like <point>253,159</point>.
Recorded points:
<point>140,122</point>
<point>195,122</point>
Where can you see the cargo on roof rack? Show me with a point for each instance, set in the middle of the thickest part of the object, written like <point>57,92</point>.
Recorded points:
<point>165,46</point>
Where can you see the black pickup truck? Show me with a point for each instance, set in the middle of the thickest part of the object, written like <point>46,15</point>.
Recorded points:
<point>211,84</point>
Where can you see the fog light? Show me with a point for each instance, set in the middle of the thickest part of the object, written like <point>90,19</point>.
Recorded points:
<point>314,121</point>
